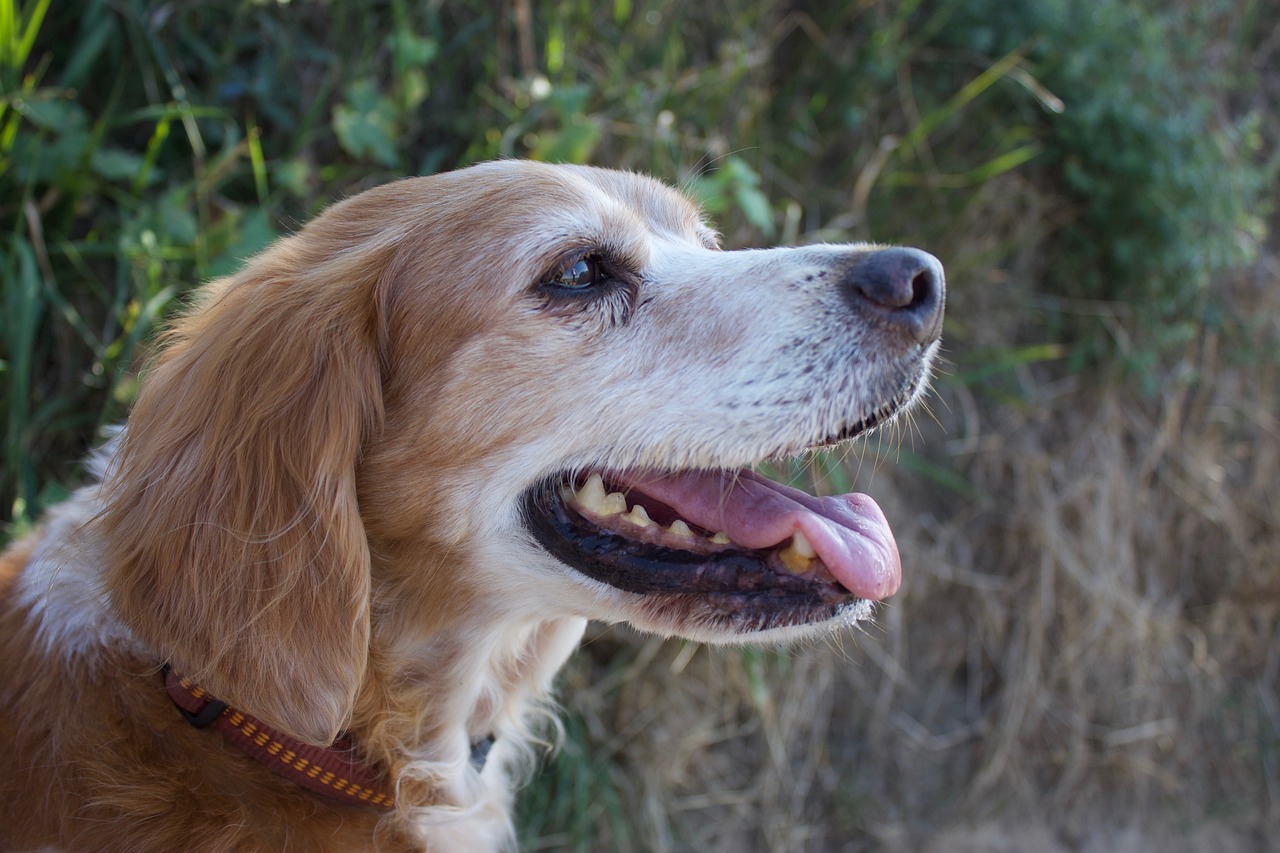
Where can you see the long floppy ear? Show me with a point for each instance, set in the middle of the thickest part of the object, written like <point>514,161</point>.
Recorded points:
<point>235,548</point>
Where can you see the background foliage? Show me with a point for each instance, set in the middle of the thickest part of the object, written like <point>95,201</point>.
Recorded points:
<point>1084,651</point>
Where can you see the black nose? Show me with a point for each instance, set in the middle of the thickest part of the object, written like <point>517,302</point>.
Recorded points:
<point>903,286</point>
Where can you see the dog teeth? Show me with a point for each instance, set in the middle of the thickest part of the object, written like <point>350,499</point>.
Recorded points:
<point>593,498</point>
<point>679,528</point>
<point>798,556</point>
<point>638,516</point>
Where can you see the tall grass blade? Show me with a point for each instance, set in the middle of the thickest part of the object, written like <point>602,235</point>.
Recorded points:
<point>34,21</point>
<point>24,308</point>
<point>970,91</point>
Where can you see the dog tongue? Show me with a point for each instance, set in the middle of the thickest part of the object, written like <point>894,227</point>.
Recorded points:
<point>849,532</point>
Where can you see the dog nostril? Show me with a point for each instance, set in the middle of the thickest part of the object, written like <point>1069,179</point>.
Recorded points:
<point>923,286</point>
<point>903,285</point>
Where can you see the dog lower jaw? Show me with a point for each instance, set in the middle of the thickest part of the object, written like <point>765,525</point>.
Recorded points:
<point>718,621</point>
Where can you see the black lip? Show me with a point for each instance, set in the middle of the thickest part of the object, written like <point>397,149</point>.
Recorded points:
<point>734,579</point>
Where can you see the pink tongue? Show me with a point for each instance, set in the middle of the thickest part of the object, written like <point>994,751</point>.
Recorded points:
<point>849,532</point>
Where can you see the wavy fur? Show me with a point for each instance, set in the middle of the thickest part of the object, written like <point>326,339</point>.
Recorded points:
<point>313,509</point>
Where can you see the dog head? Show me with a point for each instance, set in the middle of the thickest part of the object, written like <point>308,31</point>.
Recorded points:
<point>497,395</point>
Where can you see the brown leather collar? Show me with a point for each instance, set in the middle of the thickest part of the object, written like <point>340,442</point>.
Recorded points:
<point>335,772</point>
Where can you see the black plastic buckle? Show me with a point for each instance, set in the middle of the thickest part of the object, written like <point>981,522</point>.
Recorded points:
<point>203,718</point>
<point>206,715</point>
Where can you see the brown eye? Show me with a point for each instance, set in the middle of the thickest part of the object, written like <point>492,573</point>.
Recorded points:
<point>589,283</point>
<point>582,273</point>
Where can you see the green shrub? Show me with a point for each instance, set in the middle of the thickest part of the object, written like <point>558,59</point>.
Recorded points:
<point>1161,196</point>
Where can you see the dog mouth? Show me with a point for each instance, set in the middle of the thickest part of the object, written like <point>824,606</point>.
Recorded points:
<point>729,548</point>
<point>740,543</point>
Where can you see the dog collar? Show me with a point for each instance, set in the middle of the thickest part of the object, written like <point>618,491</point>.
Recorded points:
<point>335,772</point>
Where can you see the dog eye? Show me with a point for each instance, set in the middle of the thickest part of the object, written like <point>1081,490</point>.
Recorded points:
<point>593,283</point>
<point>581,274</point>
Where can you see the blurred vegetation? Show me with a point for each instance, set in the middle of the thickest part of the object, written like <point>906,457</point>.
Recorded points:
<point>1086,171</point>
<point>146,146</point>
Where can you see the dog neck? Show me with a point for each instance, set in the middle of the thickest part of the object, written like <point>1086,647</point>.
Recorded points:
<point>427,706</point>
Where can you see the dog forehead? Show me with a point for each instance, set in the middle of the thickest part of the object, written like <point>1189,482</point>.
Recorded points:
<point>552,200</point>
<point>663,207</point>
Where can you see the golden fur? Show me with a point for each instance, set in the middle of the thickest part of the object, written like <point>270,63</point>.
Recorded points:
<point>313,507</point>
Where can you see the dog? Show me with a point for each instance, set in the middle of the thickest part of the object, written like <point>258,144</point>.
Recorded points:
<point>375,484</point>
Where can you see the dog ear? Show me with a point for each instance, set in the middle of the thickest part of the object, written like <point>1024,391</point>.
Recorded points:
<point>235,548</point>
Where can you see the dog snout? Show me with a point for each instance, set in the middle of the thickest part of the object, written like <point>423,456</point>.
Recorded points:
<point>904,286</point>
